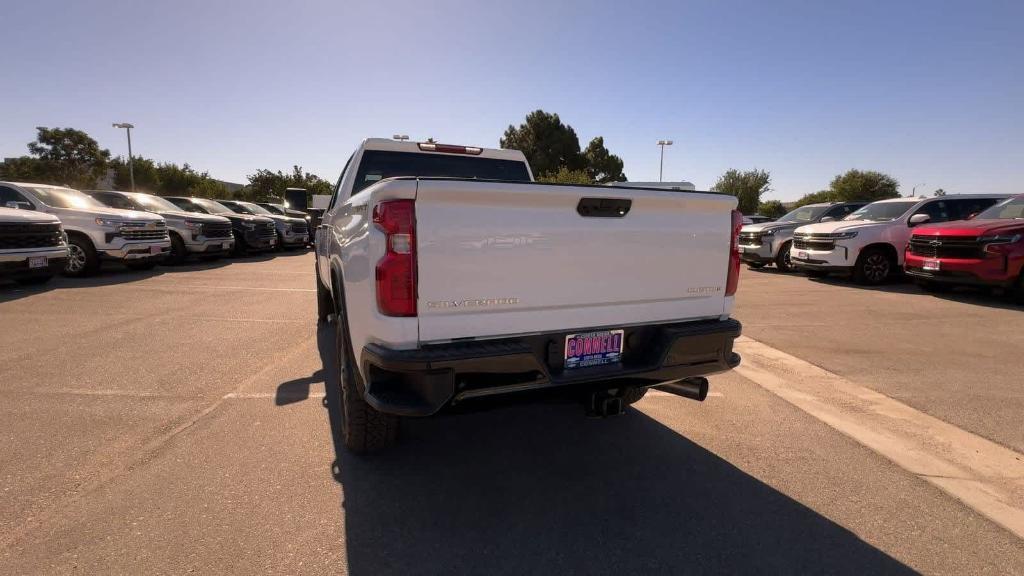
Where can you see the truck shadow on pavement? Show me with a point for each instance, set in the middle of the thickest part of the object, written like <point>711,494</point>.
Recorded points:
<point>541,489</point>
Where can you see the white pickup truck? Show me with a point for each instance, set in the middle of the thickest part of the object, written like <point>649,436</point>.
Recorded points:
<point>453,278</point>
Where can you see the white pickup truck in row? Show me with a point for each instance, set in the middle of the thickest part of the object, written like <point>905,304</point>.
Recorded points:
<point>454,278</point>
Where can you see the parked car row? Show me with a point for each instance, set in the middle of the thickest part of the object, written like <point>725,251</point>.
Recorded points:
<point>975,239</point>
<point>48,229</point>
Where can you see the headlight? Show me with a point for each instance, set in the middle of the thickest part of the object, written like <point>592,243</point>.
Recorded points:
<point>1000,239</point>
<point>767,233</point>
<point>194,225</point>
<point>844,235</point>
<point>113,223</point>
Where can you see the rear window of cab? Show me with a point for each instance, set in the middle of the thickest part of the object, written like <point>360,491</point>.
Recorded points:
<point>379,164</point>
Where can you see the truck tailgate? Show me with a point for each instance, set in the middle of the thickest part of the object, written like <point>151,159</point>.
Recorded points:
<point>498,259</point>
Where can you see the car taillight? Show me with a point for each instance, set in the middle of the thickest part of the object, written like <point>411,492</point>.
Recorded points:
<point>732,282</point>
<point>396,271</point>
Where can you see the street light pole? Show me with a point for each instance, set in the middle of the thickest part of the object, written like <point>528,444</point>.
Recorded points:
<point>661,165</point>
<point>913,192</point>
<point>131,169</point>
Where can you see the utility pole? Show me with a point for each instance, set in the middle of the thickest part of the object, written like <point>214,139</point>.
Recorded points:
<point>131,169</point>
<point>661,165</point>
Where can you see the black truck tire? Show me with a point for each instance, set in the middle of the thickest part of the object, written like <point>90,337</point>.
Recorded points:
<point>82,257</point>
<point>324,304</point>
<point>782,261</point>
<point>363,428</point>
<point>178,251</point>
<point>873,267</point>
<point>633,395</point>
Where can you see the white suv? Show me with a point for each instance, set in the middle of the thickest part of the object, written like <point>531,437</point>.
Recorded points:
<point>869,243</point>
<point>95,232</point>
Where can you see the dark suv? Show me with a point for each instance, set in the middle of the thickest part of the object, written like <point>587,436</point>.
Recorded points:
<point>252,233</point>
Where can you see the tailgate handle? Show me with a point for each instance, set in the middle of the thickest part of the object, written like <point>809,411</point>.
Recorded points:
<point>603,207</point>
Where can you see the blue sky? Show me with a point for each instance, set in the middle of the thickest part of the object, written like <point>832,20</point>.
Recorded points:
<point>930,92</point>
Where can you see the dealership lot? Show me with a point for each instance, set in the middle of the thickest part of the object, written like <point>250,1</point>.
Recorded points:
<point>179,420</point>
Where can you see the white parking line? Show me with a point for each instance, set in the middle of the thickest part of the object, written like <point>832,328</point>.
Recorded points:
<point>982,474</point>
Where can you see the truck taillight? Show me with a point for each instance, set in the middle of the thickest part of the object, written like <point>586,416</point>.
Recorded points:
<point>732,282</point>
<point>396,271</point>
<point>450,148</point>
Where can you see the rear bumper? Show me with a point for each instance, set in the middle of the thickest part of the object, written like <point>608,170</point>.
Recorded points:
<point>423,381</point>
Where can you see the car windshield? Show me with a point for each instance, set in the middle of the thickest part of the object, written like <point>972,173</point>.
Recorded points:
<point>254,208</point>
<point>882,211</point>
<point>379,164</point>
<point>804,214</point>
<point>154,203</point>
<point>1010,209</point>
<point>65,198</point>
<point>274,208</point>
<point>212,207</point>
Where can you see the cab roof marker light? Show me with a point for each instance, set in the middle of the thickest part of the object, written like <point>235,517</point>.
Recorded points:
<point>449,148</point>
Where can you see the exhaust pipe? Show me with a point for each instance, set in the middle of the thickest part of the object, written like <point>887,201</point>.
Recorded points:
<point>695,388</point>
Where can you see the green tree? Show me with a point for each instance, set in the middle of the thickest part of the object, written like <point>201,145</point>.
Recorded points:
<point>266,184</point>
<point>184,180</point>
<point>772,209</point>
<point>939,192</point>
<point>23,169</point>
<point>147,176</point>
<point>747,186</point>
<point>602,165</point>
<point>63,156</point>
<point>864,186</point>
<point>547,143</point>
<point>566,176</point>
<point>816,198</point>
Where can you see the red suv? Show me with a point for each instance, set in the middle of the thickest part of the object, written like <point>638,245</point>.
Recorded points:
<point>987,250</point>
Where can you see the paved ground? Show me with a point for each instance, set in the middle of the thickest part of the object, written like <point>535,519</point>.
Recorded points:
<point>179,421</point>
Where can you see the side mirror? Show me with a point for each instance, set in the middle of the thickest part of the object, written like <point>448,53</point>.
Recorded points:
<point>918,219</point>
<point>828,219</point>
<point>18,205</point>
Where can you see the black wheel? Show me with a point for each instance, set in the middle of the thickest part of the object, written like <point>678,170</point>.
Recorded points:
<point>324,304</point>
<point>873,267</point>
<point>82,257</point>
<point>633,395</point>
<point>178,251</point>
<point>239,249</point>
<point>363,428</point>
<point>1017,292</point>
<point>782,261</point>
<point>756,265</point>
<point>816,273</point>
<point>143,265</point>
<point>32,280</point>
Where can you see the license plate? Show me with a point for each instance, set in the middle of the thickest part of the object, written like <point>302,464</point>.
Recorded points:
<point>801,255</point>
<point>932,264</point>
<point>37,262</point>
<point>593,348</point>
<point>155,250</point>
<point>226,245</point>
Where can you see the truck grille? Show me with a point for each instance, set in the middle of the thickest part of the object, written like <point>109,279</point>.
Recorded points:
<point>29,235</point>
<point>266,230</point>
<point>750,238</point>
<point>130,234</point>
<point>965,247</point>
<point>217,230</point>
<point>300,228</point>
<point>822,243</point>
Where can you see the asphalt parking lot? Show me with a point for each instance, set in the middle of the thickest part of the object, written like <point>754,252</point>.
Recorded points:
<point>181,420</point>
